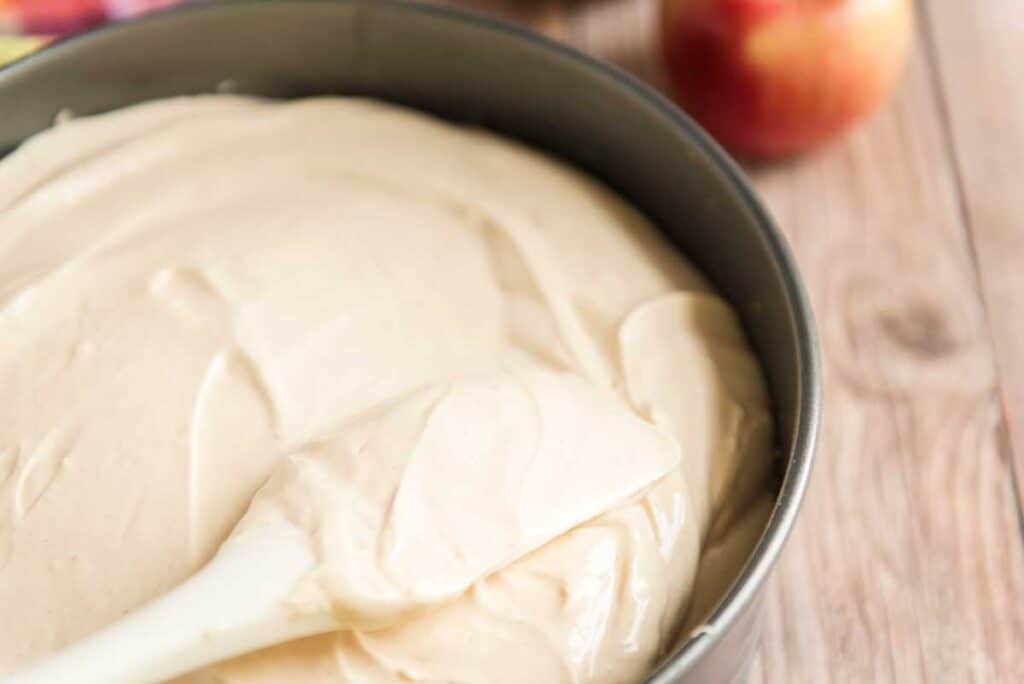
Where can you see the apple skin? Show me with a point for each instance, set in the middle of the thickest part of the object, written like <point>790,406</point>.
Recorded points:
<point>771,78</point>
<point>57,17</point>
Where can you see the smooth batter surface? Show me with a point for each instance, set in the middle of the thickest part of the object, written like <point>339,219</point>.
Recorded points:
<point>193,290</point>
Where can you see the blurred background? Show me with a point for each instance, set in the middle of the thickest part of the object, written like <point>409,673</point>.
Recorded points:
<point>886,137</point>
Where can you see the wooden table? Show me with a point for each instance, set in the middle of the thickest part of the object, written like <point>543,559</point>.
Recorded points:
<point>908,563</point>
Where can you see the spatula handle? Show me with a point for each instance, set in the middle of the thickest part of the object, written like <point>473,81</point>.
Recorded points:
<point>234,605</point>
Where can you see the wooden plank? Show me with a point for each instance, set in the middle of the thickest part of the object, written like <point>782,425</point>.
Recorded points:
<point>908,564</point>
<point>543,16</point>
<point>624,32</point>
<point>978,49</point>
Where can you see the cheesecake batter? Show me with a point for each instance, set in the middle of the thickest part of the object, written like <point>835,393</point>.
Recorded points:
<point>543,414</point>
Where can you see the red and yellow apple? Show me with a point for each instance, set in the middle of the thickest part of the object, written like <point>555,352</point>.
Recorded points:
<point>775,77</point>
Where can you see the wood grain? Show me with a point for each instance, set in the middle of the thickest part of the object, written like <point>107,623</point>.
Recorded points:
<point>907,565</point>
<point>908,562</point>
<point>977,49</point>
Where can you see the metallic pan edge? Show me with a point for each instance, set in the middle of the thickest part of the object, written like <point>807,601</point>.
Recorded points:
<point>487,72</point>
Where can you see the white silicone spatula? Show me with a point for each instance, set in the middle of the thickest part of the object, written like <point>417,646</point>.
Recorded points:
<point>401,510</point>
<point>234,605</point>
